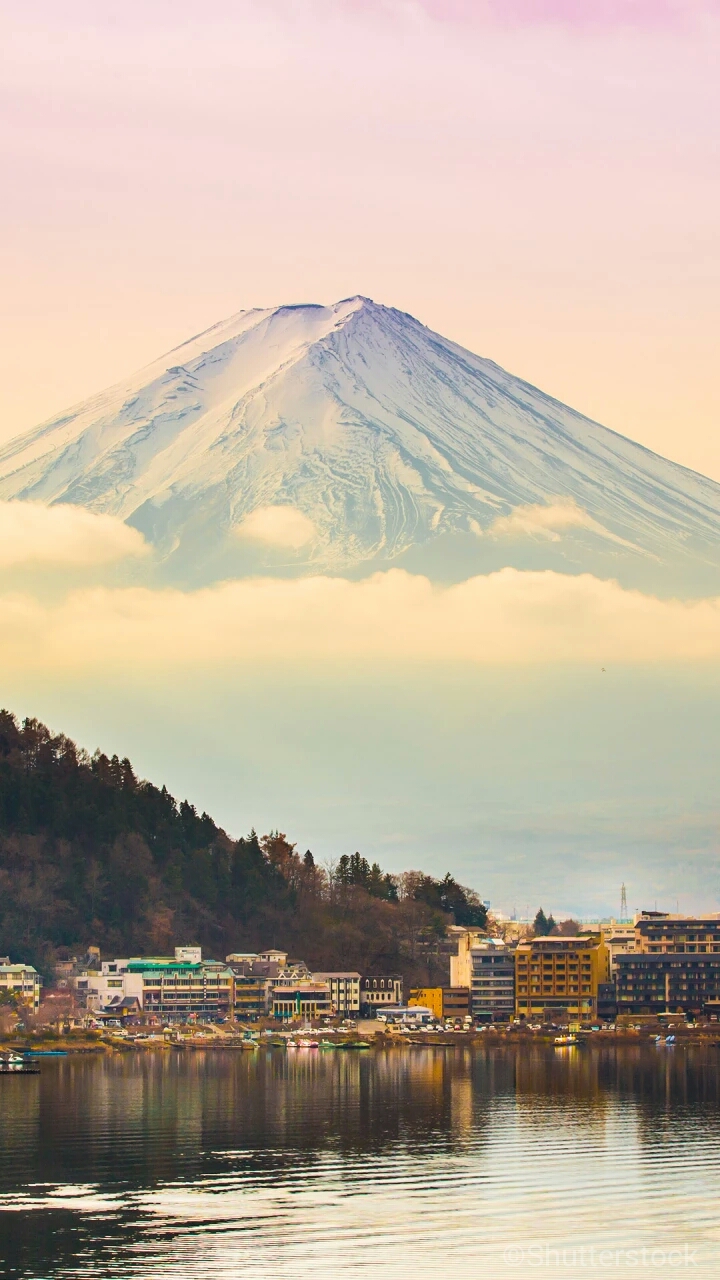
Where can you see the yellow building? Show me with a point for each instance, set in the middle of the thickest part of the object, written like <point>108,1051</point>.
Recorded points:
<point>560,975</point>
<point>429,998</point>
<point>443,1002</point>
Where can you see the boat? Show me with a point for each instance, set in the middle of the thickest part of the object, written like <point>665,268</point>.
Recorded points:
<point>12,1064</point>
<point>305,1043</point>
<point>328,1044</point>
<point>563,1042</point>
<point>357,1044</point>
<point>45,1053</point>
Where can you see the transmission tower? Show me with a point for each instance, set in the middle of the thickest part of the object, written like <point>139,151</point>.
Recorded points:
<point>623,903</point>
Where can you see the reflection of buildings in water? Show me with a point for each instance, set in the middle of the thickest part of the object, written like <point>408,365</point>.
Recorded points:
<point>20,1123</point>
<point>461,1104</point>
<point>567,1082</point>
<point>158,1109</point>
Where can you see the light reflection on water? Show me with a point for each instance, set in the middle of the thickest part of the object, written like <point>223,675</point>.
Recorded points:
<point>414,1162</point>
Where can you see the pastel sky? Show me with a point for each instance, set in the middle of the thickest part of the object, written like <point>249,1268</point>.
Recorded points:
<point>537,179</point>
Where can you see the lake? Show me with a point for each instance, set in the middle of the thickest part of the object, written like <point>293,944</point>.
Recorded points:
<point>414,1162</point>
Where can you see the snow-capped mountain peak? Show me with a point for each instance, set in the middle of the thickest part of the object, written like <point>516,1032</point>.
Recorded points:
<point>347,436</point>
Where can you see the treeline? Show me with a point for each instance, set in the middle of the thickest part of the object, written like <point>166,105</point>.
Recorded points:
<point>92,855</point>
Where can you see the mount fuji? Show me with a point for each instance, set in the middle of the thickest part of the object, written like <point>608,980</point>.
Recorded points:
<point>344,438</point>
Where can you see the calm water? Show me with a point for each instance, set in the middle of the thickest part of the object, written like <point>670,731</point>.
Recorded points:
<point>423,1162</point>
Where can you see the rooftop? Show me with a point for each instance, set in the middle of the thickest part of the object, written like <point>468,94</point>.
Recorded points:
<point>322,974</point>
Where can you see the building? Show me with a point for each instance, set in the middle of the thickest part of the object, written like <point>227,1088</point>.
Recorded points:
<point>251,998</point>
<point>22,981</point>
<point>427,998</point>
<point>444,1002</point>
<point>411,1015</point>
<point>120,1009</point>
<point>173,988</point>
<point>111,984</point>
<point>668,982</point>
<point>279,958</point>
<point>659,933</point>
<point>558,976</point>
<point>607,1002</point>
<point>344,992</point>
<point>301,999</point>
<point>619,938</point>
<point>178,989</point>
<point>257,974</point>
<point>492,993</point>
<point>461,964</point>
<point>455,1002</point>
<point>380,990</point>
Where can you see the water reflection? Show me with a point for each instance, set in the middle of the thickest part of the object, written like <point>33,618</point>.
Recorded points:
<point>390,1163</point>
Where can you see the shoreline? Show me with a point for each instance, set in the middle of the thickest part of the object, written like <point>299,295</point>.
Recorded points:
<point>69,1047</point>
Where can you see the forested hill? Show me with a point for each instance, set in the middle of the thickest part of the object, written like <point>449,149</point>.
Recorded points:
<point>91,855</point>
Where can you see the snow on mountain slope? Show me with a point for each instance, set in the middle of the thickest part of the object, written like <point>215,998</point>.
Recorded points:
<point>346,436</point>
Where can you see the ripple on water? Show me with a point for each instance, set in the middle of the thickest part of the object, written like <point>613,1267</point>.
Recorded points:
<point>391,1165</point>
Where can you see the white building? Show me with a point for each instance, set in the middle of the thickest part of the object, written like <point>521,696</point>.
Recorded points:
<point>22,980</point>
<point>413,1014</point>
<point>461,964</point>
<point>619,939</point>
<point>114,980</point>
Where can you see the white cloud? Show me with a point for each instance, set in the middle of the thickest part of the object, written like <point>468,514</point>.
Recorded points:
<point>278,527</point>
<point>544,521</point>
<point>67,535</point>
<point>505,617</point>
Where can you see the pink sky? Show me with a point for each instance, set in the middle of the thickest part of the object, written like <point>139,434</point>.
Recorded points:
<point>537,185</point>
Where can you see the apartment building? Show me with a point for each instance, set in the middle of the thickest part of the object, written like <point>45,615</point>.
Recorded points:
<point>492,978</point>
<point>344,992</point>
<point>668,981</point>
<point>660,933</point>
<point>22,981</point>
<point>559,975</point>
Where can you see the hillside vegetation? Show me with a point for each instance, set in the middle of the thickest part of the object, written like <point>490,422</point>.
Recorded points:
<point>92,855</point>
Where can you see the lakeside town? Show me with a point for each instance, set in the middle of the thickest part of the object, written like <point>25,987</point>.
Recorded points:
<point>657,970</point>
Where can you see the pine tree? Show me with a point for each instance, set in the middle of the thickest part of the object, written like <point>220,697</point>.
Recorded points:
<point>541,924</point>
